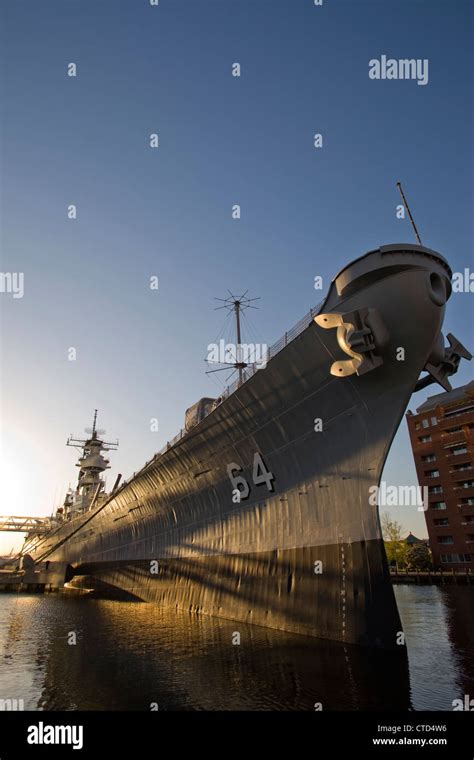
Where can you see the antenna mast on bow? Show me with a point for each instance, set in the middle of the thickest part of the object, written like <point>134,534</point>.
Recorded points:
<point>399,185</point>
<point>237,304</point>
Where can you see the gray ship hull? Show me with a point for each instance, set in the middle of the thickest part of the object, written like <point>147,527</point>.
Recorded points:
<point>306,556</point>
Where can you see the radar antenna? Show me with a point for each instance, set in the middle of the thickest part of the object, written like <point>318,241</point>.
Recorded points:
<point>237,304</point>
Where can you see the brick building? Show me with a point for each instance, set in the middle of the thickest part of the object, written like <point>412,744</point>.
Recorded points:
<point>442,439</point>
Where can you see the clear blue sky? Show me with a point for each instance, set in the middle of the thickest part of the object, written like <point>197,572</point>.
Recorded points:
<point>167,212</point>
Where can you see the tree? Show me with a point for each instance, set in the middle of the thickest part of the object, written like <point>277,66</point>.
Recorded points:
<point>391,529</point>
<point>395,548</point>
<point>418,557</point>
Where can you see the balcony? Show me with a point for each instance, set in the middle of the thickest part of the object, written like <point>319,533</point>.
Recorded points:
<point>459,471</point>
<point>457,441</point>
<point>469,491</point>
<point>459,458</point>
<point>451,421</point>
<point>448,435</point>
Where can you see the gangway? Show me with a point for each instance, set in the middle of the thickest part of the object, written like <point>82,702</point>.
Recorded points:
<point>22,524</point>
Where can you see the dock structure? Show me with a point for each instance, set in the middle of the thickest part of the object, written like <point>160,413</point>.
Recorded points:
<point>22,524</point>
<point>433,577</point>
<point>22,574</point>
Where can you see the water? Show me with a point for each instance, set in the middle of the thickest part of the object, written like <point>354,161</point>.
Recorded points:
<point>130,655</point>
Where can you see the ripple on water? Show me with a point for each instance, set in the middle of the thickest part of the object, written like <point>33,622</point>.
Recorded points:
<point>128,655</point>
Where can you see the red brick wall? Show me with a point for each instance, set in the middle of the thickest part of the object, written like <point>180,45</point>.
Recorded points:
<point>450,478</point>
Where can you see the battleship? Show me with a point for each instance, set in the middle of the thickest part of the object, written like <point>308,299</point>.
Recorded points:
<point>258,511</point>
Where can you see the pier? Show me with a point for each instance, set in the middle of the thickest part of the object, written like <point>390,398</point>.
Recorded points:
<point>433,577</point>
<point>23,575</point>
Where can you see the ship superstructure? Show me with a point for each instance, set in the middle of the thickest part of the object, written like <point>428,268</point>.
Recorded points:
<point>92,464</point>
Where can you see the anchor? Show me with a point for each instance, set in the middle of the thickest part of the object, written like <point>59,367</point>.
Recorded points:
<point>443,362</point>
<point>360,334</point>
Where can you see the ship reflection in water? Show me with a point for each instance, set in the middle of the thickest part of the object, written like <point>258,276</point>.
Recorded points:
<point>129,655</point>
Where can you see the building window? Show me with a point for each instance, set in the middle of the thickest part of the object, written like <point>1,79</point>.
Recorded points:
<point>469,519</point>
<point>428,458</point>
<point>445,540</point>
<point>467,502</point>
<point>441,521</point>
<point>459,467</point>
<point>450,558</point>
<point>425,423</point>
<point>439,505</point>
<point>468,484</point>
<point>432,473</point>
<point>417,425</point>
<point>434,421</point>
<point>435,489</point>
<point>424,439</point>
<point>453,430</point>
<point>457,450</point>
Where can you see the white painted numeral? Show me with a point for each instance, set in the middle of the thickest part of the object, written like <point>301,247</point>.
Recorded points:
<point>238,480</point>
<point>260,472</point>
<point>260,475</point>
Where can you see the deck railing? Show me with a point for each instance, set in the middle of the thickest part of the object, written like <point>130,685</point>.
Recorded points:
<point>275,349</point>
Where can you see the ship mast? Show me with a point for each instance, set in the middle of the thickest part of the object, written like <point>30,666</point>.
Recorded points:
<point>92,464</point>
<point>400,189</point>
<point>94,423</point>
<point>237,304</point>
